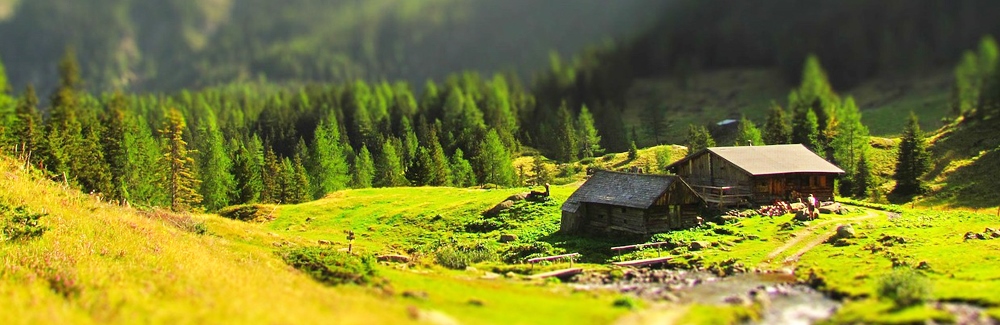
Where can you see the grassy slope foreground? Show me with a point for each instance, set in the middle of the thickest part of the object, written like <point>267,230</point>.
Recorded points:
<point>99,263</point>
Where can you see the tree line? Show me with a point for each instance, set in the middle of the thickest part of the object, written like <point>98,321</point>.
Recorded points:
<point>248,143</point>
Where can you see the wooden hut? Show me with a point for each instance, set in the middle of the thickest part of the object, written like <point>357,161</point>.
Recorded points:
<point>727,176</point>
<point>611,202</point>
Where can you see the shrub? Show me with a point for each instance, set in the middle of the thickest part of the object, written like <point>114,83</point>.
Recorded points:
<point>458,257</point>
<point>626,302</point>
<point>332,267</point>
<point>587,161</point>
<point>608,157</point>
<point>248,212</point>
<point>905,287</point>
<point>21,224</point>
<point>518,252</point>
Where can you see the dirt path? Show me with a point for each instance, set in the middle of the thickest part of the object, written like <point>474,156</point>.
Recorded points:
<point>808,232</point>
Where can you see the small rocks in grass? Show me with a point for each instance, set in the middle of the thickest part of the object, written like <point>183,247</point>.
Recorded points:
<point>324,242</point>
<point>419,295</point>
<point>476,302</point>
<point>506,238</point>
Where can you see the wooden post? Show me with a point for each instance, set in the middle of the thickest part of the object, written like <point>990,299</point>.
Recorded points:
<point>350,242</point>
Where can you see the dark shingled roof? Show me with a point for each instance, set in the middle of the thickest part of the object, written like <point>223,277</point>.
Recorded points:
<point>770,160</point>
<point>638,191</point>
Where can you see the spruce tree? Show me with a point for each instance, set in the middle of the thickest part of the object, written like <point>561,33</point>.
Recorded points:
<point>215,165</point>
<point>181,181</point>
<point>776,128</point>
<point>87,155</point>
<point>805,129</point>
<point>271,178</point>
<point>633,151</point>
<point>364,169</point>
<point>146,167</point>
<point>439,172</point>
<point>115,152</point>
<point>913,160</point>
<point>748,134</point>
<point>493,161</point>
<point>388,167</point>
<point>287,182</point>
<point>63,128</point>
<point>28,129</point>
<point>698,139</point>
<point>302,191</point>
<point>565,139</point>
<point>248,165</point>
<point>590,141</point>
<point>862,178</point>
<point>461,169</point>
<point>542,175</point>
<point>419,171</point>
<point>328,164</point>
<point>850,142</point>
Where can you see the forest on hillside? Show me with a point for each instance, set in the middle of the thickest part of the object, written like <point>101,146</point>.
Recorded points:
<point>170,45</point>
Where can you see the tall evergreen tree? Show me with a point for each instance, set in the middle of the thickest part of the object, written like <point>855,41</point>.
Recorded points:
<point>542,175</point>
<point>590,141</point>
<point>494,163</point>
<point>388,167</point>
<point>63,128</point>
<point>805,129</point>
<point>146,167</point>
<point>329,166</point>
<point>115,152</point>
<point>464,176</point>
<point>87,155</point>
<point>439,172</point>
<point>364,169</point>
<point>913,160</point>
<point>215,165</point>
<point>272,178</point>
<point>248,165</point>
<point>565,141</point>
<point>776,128</point>
<point>748,134</point>
<point>181,181</point>
<point>698,138</point>
<point>862,178</point>
<point>28,129</point>
<point>849,142</point>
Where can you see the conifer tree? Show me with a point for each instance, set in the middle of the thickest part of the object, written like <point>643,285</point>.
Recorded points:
<point>248,164</point>
<point>87,155</point>
<point>590,141</point>
<point>565,139</point>
<point>439,172</point>
<point>633,151</point>
<point>28,129</point>
<point>748,134</point>
<point>542,175</point>
<point>8,114</point>
<point>850,142</point>
<point>699,138</point>
<point>329,166</point>
<point>493,161</point>
<point>805,129</point>
<point>215,165</point>
<point>272,178</point>
<point>146,167</point>
<point>181,181</point>
<point>419,171</point>
<point>300,179</point>
<point>63,128</point>
<point>461,169</point>
<point>388,167</point>
<point>862,178</point>
<point>364,169</point>
<point>115,152</point>
<point>287,182</point>
<point>913,160</point>
<point>776,128</point>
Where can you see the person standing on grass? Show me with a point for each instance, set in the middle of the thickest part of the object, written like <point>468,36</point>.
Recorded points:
<point>813,205</point>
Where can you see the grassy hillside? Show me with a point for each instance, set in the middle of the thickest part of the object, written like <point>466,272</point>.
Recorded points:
<point>100,263</point>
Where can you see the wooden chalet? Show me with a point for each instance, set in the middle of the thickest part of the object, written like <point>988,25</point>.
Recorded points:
<point>728,176</point>
<point>612,202</point>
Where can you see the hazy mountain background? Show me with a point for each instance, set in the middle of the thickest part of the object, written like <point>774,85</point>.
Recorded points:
<point>171,44</point>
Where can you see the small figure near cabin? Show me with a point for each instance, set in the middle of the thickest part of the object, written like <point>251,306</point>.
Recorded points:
<point>813,207</point>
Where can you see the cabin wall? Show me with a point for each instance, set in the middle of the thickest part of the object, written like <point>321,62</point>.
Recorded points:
<point>711,170</point>
<point>790,187</point>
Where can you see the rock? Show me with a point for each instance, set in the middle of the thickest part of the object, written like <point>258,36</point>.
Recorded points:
<point>419,295</point>
<point>490,276</point>
<point>699,245</point>
<point>802,215</point>
<point>511,275</point>
<point>738,300</point>
<point>831,208</point>
<point>476,302</point>
<point>497,209</point>
<point>324,242</point>
<point>845,232</point>
<point>393,258</point>
<point>923,265</point>
<point>471,269</point>
<point>506,238</point>
<point>518,197</point>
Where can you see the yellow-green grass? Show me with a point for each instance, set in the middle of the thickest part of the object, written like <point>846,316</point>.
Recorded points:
<point>958,269</point>
<point>872,311</point>
<point>99,263</point>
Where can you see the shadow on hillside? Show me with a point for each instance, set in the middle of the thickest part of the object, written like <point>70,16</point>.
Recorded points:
<point>975,185</point>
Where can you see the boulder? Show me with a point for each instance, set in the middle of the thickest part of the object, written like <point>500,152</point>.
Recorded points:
<point>518,197</point>
<point>802,215</point>
<point>497,209</point>
<point>830,209</point>
<point>506,238</point>
<point>845,231</point>
<point>699,245</point>
<point>324,242</point>
<point>393,258</point>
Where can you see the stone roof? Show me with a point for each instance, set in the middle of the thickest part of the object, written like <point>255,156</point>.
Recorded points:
<point>771,160</point>
<point>638,191</point>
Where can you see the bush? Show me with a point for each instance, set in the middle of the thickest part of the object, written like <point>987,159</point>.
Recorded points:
<point>587,161</point>
<point>518,252</point>
<point>905,287</point>
<point>332,267</point>
<point>626,302</point>
<point>459,257</point>
<point>248,212</point>
<point>21,224</point>
<point>608,157</point>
